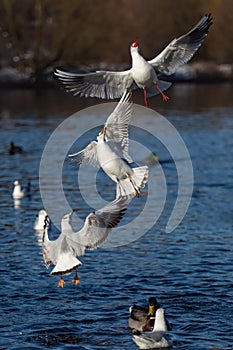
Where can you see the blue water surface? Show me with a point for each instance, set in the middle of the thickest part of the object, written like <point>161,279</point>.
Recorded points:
<point>188,270</point>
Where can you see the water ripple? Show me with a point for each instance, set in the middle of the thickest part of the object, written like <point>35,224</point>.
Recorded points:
<point>189,270</point>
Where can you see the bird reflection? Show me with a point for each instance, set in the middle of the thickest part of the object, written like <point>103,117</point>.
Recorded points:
<point>17,203</point>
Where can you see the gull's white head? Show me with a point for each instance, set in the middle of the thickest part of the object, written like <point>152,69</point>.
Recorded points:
<point>42,213</point>
<point>42,218</point>
<point>66,221</point>
<point>101,134</point>
<point>16,182</point>
<point>134,46</point>
<point>66,217</point>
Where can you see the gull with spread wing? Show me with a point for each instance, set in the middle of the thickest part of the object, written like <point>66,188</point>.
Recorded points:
<point>158,337</point>
<point>63,251</point>
<point>110,152</point>
<point>146,75</point>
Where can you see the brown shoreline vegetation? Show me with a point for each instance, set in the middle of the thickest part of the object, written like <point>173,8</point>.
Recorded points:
<point>38,36</point>
<point>198,72</point>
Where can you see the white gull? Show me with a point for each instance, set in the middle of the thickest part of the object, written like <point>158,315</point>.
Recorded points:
<point>110,152</point>
<point>63,251</point>
<point>146,75</point>
<point>19,192</point>
<point>158,337</point>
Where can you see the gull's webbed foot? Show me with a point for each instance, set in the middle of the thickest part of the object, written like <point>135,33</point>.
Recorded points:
<point>76,280</point>
<point>61,283</point>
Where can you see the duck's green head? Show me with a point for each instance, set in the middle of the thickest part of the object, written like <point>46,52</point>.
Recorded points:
<point>153,156</point>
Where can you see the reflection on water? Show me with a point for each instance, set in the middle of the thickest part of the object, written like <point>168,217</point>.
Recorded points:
<point>188,270</point>
<point>46,103</point>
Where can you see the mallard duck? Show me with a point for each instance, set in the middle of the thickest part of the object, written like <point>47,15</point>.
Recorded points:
<point>110,152</point>
<point>63,251</point>
<point>158,337</point>
<point>13,149</point>
<point>19,192</point>
<point>142,318</point>
<point>152,159</point>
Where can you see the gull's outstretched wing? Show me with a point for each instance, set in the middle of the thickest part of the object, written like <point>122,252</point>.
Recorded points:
<point>117,125</point>
<point>97,226</point>
<point>59,252</point>
<point>52,249</point>
<point>101,84</point>
<point>181,50</point>
<point>87,156</point>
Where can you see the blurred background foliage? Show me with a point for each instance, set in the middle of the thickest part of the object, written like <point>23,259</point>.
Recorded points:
<point>39,35</point>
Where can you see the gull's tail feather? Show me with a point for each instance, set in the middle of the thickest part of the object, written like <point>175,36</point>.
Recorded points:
<point>131,186</point>
<point>152,90</point>
<point>140,176</point>
<point>125,189</point>
<point>66,264</point>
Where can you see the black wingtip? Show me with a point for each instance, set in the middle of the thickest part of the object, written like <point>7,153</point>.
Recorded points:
<point>73,160</point>
<point>115,221</point>
<point>209,19</point>
<point>200,31</point>
<point>46,222</point>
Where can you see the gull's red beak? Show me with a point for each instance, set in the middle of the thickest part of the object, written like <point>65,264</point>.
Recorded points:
<point>135,44</point>
<point>103,131</point>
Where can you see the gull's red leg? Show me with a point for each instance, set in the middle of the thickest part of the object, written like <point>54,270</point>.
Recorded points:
<point>137,191</point>
<point>145,99</point>
<point>165,97</point>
